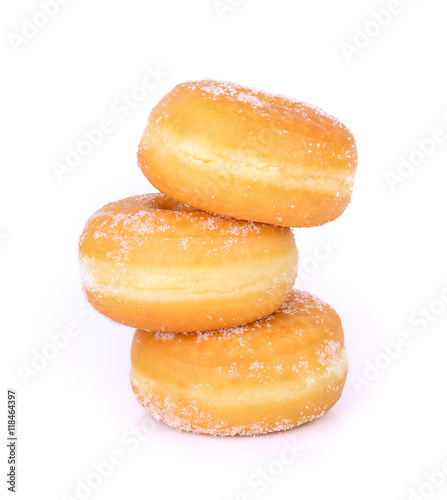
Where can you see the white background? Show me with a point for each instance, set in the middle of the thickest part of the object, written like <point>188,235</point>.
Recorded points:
<point>383,436</point>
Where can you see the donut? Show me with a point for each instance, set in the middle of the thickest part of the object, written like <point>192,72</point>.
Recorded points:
<point>277,373</point>
<point>151,262</point>
<point>244,153</point>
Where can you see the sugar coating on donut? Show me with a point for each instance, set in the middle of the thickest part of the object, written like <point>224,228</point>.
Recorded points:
<point>129,230</point>
<point>153,263</point>
<point>180,416</point>
<point>223,147</point>
<point>214,89</point>
<point>323,370</point>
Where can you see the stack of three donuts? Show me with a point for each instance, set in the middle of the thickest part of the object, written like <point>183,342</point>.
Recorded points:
<point>224,345</point>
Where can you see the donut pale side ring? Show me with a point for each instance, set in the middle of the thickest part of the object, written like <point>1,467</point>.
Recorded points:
<point>156,264</point>
<point>272,375</point>
<point>244,153</point>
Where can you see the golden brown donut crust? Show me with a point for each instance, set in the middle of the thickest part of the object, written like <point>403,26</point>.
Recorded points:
<point>153,263</point>
<point>272,375</point>
<point>245,153</point>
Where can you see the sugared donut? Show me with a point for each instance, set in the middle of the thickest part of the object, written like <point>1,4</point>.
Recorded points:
<point>272,375</point>
<point>156,264</point>
<point>240,152</point>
